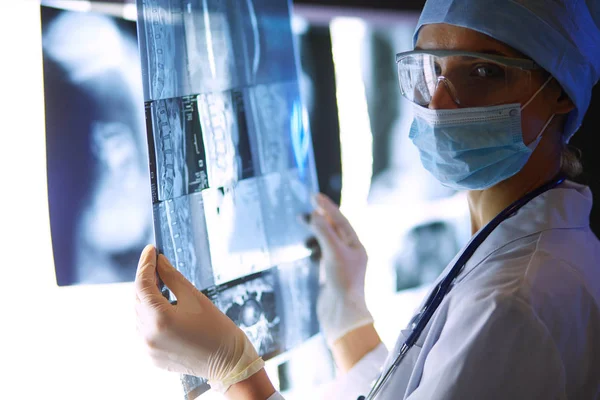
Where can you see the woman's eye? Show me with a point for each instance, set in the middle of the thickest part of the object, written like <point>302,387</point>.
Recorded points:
<point>488,71</point>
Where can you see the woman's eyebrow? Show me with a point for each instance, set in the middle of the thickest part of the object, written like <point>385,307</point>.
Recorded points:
<point>496,52</point>
<point>482,51</point>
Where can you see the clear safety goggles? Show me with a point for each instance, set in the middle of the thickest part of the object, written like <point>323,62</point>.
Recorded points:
<point>472,79</point>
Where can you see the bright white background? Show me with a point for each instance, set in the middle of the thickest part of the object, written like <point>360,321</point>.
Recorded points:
<point>67,343</point>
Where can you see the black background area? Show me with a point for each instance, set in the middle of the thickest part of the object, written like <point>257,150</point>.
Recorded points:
<point>195,152</point>
<point>243,146</point>
<point>587,139</point>
<point>316,58</point>
<point>404,5</point>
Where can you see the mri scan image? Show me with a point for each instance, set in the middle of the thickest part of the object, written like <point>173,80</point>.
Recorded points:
<point>236,232</point>
<point>179,156</point>
<point>231,162</point>
<point>180,230</point>
<point>226,137</point>
<point>252,304</point>
<point>275,308</point>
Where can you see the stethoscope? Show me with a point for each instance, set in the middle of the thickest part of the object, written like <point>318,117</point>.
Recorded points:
<point>421,319</point>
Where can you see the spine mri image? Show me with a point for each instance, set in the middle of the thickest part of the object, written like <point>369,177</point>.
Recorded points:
<point>231,162</point>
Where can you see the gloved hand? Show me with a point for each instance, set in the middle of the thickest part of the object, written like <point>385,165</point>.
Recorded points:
<point>192,337</point>
<point>341,306</point>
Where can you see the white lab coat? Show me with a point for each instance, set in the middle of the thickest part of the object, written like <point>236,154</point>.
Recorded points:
<point>521,322</point>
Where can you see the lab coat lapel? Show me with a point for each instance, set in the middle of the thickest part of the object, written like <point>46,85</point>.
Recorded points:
<point>565,207</point>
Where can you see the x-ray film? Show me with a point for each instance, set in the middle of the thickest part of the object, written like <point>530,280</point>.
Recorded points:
<point>99,208</point>
<point>231,162</point>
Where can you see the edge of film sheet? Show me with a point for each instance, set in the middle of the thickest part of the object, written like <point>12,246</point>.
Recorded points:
<point>231,162</point>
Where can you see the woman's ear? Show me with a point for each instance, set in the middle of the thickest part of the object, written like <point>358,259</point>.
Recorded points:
<point>564,104</point>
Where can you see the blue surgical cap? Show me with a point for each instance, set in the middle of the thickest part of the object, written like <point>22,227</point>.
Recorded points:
<point>563,36</point>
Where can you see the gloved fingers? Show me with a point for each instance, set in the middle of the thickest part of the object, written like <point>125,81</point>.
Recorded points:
<point>324,232</point>
<point>175,281</point>
<point>313,245</point>
<point>340,223</point>
<point>146,282</point>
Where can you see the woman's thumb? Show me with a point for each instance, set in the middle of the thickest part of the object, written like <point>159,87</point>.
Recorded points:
<point>146,287</point>
<point>173,279</point>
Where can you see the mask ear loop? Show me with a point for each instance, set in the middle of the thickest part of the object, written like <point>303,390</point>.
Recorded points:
<point>538,139</point>
<point>533,145</point>
<point>538,92</point>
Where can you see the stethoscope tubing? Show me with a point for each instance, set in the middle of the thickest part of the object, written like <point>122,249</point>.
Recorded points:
<point>438,294</point>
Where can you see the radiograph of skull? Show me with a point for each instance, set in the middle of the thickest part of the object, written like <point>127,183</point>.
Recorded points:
<point>100,209</point>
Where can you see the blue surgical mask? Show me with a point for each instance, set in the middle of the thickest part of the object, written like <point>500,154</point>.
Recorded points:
<point>473,148</point>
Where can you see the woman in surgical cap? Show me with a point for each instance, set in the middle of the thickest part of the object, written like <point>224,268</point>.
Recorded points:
<point>498,87</point>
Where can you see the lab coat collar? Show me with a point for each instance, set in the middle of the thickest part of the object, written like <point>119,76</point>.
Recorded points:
<point>567,206</point>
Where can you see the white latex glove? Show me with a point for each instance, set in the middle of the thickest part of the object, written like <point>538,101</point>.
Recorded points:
<point>193,337</point>
<point>341,306</point>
